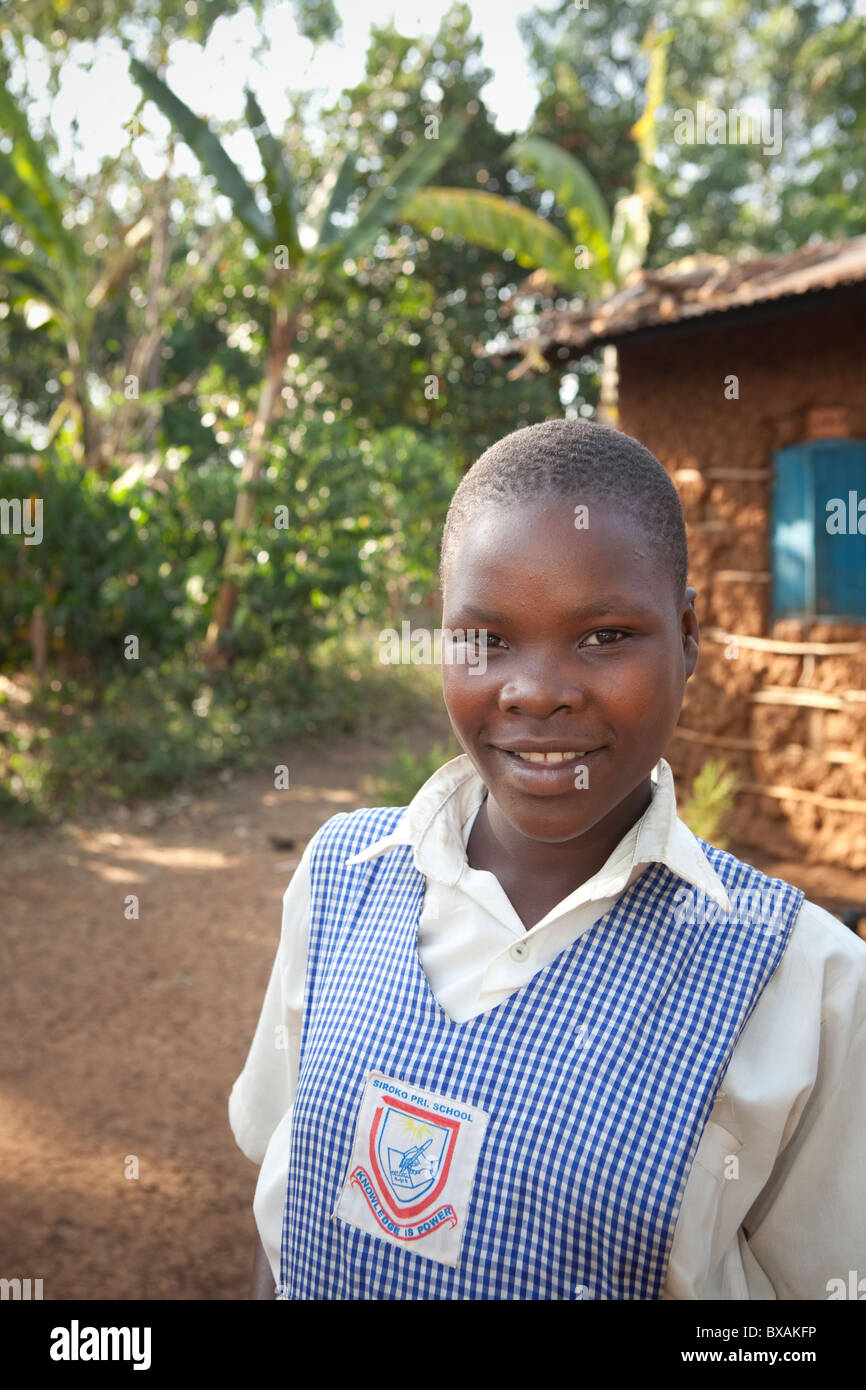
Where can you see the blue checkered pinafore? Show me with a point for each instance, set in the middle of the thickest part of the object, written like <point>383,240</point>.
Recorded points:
<point>597,1076</point>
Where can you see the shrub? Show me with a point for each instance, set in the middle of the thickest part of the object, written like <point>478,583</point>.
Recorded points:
<point>708,809</point>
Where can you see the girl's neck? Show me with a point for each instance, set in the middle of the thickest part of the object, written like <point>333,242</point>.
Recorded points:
<point>534,869</point>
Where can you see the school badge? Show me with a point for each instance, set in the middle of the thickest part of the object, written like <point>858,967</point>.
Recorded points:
<point>412,1167</point>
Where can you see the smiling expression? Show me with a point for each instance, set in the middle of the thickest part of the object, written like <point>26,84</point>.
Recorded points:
<point>587,653</point>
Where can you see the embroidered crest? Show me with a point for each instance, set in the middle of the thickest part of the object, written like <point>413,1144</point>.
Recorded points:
<point>410,1154</point>
<point>413,1163</point>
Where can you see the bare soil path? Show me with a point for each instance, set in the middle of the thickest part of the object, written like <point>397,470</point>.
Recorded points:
<point>121,1038</point>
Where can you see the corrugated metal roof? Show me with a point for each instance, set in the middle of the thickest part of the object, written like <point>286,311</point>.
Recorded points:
<point>693,288</point>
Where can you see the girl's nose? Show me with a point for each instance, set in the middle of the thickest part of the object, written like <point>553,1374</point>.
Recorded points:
<point>541,688</point>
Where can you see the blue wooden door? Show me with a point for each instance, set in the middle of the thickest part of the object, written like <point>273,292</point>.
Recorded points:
<point>819,550</point>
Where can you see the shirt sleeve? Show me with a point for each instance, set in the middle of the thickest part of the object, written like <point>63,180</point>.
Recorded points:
<point>265,1089</point>
<point>807,1230</point>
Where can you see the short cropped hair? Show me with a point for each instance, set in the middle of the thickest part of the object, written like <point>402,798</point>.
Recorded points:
<point>579,459</point>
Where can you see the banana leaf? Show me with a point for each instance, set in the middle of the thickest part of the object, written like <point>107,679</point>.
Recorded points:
<point>33,174</point>
<point>335,201</point>
<point>387,202</point>
<point>575,190</point>
<point>210,153</point>
<point>278,180</point>
<point>493,222</point>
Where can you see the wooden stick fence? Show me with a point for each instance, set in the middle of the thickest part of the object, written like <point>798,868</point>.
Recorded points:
<point>768,644</point>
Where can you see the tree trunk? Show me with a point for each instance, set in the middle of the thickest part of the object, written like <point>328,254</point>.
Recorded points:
<point>282,335</point>
<point>160,258</point>
<point>39,640</point>
<point>91,434</point>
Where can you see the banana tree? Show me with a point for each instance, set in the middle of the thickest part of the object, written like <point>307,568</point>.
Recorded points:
<point>55,281</point>
<point>605,249</point>
<point>301,256</point>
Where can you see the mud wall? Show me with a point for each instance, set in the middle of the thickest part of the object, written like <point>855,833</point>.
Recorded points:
<point>805,733</point>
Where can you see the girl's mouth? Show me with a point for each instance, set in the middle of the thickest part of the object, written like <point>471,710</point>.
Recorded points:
<point>547,757</point>
<point>555,771</point>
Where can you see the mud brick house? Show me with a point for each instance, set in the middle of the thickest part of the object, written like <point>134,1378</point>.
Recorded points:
<point>748,381</point>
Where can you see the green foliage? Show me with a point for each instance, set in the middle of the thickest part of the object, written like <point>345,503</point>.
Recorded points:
<point>317,19</point>
<point>497,224</point>
<point>422,306</point>
<point>801,59</point>
<point>710,805</point>
<point>385,205</point>
<point>377,212</point>
<point>57,23</point>
<point>94,574</point>
<point>209,150</point>
<point>279,184</point>
<point>149,732</point>
<point>407,769</point>
<point>576,192</point>
<point>607,249</point>
<point>414,308</point>
<point>140,555</point>
<point>365,520</point>
<point>48,260</point>
<point>29,190</point>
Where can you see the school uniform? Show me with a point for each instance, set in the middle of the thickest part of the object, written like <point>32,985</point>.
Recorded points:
<point>655,1092</point>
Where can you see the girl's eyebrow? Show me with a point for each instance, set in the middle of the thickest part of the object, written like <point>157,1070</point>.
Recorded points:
<point>598,608</point>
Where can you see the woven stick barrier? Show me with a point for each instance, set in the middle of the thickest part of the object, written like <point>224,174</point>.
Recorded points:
<point>796,695</point>
<point>743,576</point>
<point>738,475</point>
<point>768,644</point>
<point>827,803</point>
<point>723,740</point>
<point>762,745</point>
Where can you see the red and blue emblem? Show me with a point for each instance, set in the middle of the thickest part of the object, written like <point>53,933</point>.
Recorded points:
<point>413,1163</point>
<point>410,1155</point>
<point>410,1160</point>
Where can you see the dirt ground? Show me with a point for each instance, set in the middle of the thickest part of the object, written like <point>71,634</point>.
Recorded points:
<point>121,1038</point>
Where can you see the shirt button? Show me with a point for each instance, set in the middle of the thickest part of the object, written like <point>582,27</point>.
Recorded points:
<point>519,951</point>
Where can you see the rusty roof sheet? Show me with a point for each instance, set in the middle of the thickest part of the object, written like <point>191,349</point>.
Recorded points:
<point>692,288</point>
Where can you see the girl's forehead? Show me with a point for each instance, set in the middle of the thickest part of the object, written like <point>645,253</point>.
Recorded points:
<point>509,512</point>
<point>550,530</point>
<point>557,553</point>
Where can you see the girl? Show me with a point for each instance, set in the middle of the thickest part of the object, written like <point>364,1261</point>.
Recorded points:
<point>529,1037</point>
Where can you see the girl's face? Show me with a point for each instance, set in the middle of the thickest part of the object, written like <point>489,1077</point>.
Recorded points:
<point>587,653</point>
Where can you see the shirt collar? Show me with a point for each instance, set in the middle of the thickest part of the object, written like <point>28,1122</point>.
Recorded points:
<point>433,824</point>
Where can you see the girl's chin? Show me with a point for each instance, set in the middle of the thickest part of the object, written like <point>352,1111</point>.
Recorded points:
<point>551,818</point>
<point>547,829</point>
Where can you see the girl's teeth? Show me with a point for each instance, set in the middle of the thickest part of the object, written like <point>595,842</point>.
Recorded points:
<point>550,757</point>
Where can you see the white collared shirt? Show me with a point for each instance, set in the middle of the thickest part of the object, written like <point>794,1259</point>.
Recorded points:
<point>774,1205</point>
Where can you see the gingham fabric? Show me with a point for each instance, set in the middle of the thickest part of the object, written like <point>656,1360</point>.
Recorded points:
<point>598,1077</point>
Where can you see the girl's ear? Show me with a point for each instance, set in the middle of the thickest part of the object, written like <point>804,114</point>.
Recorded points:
<point>691,631</point>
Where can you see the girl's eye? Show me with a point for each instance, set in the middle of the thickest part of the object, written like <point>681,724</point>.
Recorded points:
<point>474,638</point>
<point>603,633</point>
